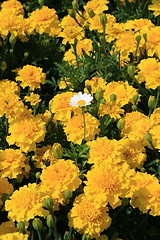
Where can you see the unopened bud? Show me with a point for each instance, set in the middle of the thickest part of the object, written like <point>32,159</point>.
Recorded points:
<point>134,107</point>
<point>26,54</point>
<point>49,221</point>
<point>57,150</point>
<point>99,95</point>
<point>103,20</point>
<point>37,224</point>
<point>75,5</point>
<point>120,124</point>
<point>38,175</point>
<point>12,41</point>
<point>113,97</point>
<point>41,2</point>
<point>3,66</point>
<point>91,13</point>
<point>151,102</point>
<point>135,99</point>
<point>131,70</point>
<point>68,194</point>
<point>72,13</point>
<point>48,203</point>
<point>138,39</point>
<point>21,227</point>
<point>148,137</point>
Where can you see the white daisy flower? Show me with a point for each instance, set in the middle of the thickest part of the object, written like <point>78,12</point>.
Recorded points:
<point>81,99</point>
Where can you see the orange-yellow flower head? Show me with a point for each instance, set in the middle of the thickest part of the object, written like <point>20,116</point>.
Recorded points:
<point>88,218</point>
<point>26,132</point>
<point>26,203</point>
<point>12,163</point>
<point>155,7</point>
<point>31,76</point>
<point>14,236</point>
<point>59,178</point>
<point>74,128</point>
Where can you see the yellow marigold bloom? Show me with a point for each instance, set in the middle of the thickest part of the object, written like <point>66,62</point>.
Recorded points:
<point>31,76</point>
<point>146,191</point>
<point>155,136</point>
<point>97,6</point>
<point>96,83</point>
<point>26,203</point>
<point>149,72</point>
<point>142,25</point>
<point>59,178</point>
<point>11,105</point>
<point>107,183</point>
<point>133,153</point>
<point>123,91</point>
<point>153,43</point>
<point>5,187</point>
<point>43,155</point>
<point>14,236</point>
<point>155,7</point>
<point>10,23</point>
<point>130,119</point>
<point>61,107</point>
<point>82,45</point>
<point>113,109</point>
<point>113,31</point>
<point>45,20</point>
<point>70,21</point>
<point>26,132</point>
<point>7,227</point>
<point>9,87</point>
<point>14,5</point>
<point>34,99</point>
<point>104,150</point>
<point>74,128</point>
<point>155,116</point>
<point>12,163</point>
<point>88,218</point>
<point>70,33</point>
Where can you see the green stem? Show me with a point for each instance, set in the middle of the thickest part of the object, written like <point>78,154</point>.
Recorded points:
<point>54,225</point>
<point>39,235</point>
<point>84,124</point>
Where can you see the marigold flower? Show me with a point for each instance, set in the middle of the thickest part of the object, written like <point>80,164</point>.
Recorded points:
<point>97,6</point>
<point>105,150</point>
<point>61,107</point>
<point>149,72</point>
<point>74,128</point>
<point>88,218</point>
<point>153,43</point>
<point>81,99</point>
<point>107,183</point>
<point>113,109</point>
<point>96,83</point>
<point>34,99</point>
<point>31,76</point>
<point>14,236</point>
<point>26,203</point>
<point>26,132</point>
<point>7,227</point>
<point>14,5</point>
<point>12,163</point>
<point>9,87</point>
<point>155,7</point>
<point>5,187</point>
<point>60,177</point>
<point>70,33</point>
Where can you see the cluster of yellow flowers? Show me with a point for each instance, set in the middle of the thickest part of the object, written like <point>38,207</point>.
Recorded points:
<point>115,165</point>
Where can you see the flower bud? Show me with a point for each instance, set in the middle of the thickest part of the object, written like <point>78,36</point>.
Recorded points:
<point>138,39</point>
<point>3,66</point>
<point>113,97</point>
<point>99,95</point>
<point>41,2</point>
<point>12,41</point>
<point>48,203</point>
<point>68,194</point>
<point>135,99</point>
<point>134,107</point>
<point>131,70</point>
<point>75,5</point>
<point>49,221</point>
<point>57,150</point>
<point>148,137</point>
<point>37,224</point>
<point>21,227</point>
<point>151,102</point>
<point>72,13</point>
<point>91,13</point>
<point>120,124</point>
<point>26,54</point>
<point>103,20</point>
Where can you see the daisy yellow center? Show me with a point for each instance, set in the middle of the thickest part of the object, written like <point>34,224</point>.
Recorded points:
<point>81,102</point>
